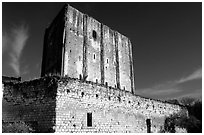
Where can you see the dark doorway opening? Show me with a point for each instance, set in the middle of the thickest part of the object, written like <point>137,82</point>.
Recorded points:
<point>148,122</point>
<point>89,119</point>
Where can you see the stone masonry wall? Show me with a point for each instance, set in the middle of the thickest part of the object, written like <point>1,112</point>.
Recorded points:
<point>32,102</point>
<point>54,104</point>
<point>124,62</point>
<point>109,56</point>
<point>74,40</point>
<point>53,46</point>
<point>93,50</point>
<point>112,110</point>
<point>79,46</point>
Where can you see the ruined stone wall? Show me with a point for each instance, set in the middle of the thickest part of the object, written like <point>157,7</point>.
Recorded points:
<point>109,56</point>
<point>124,62</point>
<point>112,110</point>
<point>74,40</point>
<point>89,50</point>
<point>53,46</point>
<point>93,50</point>
<point>32,102</point>
<point>53,104</point>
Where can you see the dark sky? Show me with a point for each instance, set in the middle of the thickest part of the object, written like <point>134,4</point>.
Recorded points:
<point>166,39</point>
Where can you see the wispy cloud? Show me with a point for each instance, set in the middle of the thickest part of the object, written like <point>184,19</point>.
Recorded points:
<point>195,75</point>
<point>195,94</point>
<point>5,42</point>
<point>14,42</point>
<point>160,90</point>
<point>174,88</point>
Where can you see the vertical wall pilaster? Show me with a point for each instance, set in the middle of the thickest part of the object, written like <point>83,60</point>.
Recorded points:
<point>102,56</point>
<point>117,60</point>
<point>63,51</point>
<point>84,69</point>
<point>131,67</point>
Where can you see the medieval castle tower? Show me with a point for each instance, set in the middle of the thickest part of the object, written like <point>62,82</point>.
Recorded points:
<point>79,46</point>
<point>86,84</point>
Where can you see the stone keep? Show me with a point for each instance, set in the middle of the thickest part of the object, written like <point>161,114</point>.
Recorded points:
<point>78,46</point>
<point>86,54</point>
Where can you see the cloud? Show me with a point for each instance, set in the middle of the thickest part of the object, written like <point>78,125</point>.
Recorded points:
<point>174,88</point>
<point>14,42</point>
<point>160,90</point>
<point>194,94</point>
<point>5,41</point>
<point>195,75</point>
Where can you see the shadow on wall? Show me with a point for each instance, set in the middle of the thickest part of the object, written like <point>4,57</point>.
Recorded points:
<point>29,106</point>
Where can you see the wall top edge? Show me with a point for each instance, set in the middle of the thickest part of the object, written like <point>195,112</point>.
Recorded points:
<point>59,79</point>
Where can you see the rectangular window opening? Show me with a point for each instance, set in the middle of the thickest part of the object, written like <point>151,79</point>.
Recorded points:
<point>89,119</point>
<point>94,56</point>
<point>148,122</point>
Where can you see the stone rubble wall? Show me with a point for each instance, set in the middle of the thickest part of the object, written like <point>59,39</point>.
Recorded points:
<point>54,104</point>
<point>73,43</point>
<point>113,110</point>
<point>32,102</point>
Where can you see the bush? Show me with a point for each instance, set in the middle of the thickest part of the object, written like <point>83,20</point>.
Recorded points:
<point>191,124</point>
<point>15,127</point>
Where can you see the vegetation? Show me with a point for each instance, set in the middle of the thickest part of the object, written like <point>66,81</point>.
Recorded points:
<point>192,123</point>
<point>15,127</point>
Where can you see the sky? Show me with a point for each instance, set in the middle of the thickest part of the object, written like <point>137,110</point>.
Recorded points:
<point>166,40</point>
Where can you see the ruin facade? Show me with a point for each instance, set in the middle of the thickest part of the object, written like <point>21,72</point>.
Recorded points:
<point>68,105</point>
<point>92,66</point>
<point>79,46</point>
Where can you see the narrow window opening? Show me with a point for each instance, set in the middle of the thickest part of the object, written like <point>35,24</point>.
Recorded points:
<point>123,88</point>
<point>107,60</point>
<point>70,51</point>
<point>106,84</point>
<point>80,77</point>
<point>96,95</point>
<point>89,119</point>
<point>148,122</point>
<point>94,34</point>
<point>82,94</point>
<point>96,80</point>
<point>94,56</point>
